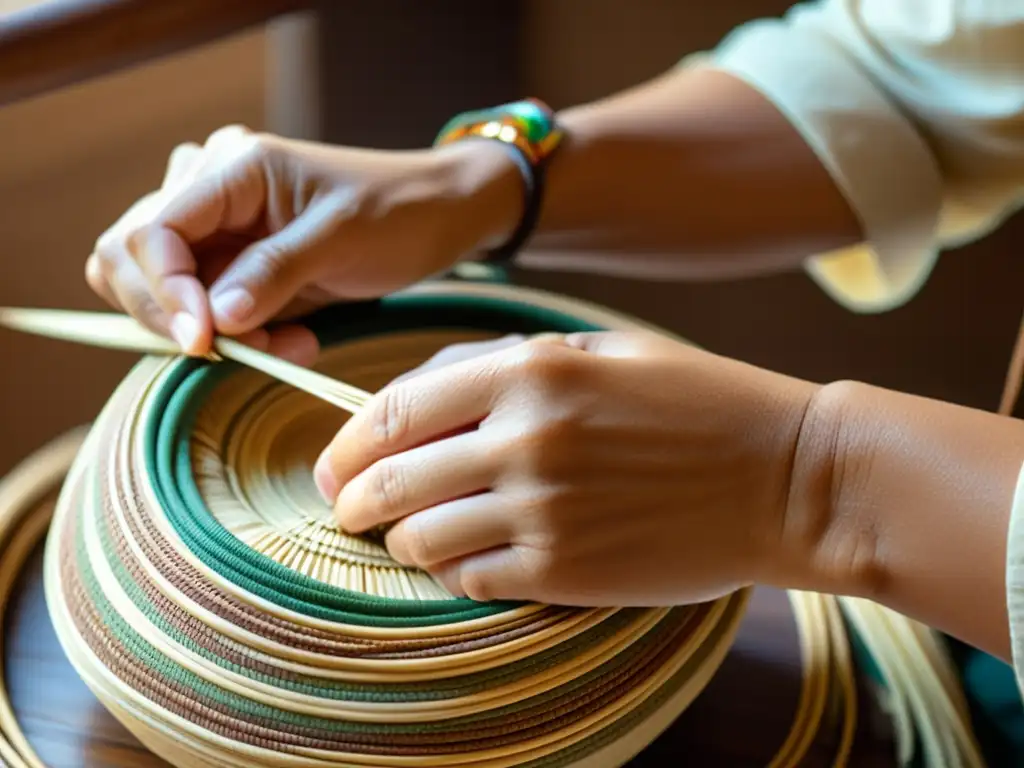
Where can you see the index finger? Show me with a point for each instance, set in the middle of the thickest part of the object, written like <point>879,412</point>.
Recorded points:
<point>224,193</point>
<point>410,413</point>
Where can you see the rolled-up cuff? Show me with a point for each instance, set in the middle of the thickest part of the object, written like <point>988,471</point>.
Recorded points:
<point>872,151</point>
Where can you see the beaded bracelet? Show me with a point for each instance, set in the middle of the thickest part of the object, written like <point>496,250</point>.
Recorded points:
<point>530,130</point>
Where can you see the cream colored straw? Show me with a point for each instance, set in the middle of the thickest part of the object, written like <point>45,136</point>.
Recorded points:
<point>116,331</point>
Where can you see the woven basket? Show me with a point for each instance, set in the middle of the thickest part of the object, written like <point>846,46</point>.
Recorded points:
<point>198,586</point>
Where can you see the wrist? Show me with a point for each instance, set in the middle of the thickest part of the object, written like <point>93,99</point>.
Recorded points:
<point>486,183</point>
<point>813,530</point>
<point>906,501</point>
<point>877,473</point>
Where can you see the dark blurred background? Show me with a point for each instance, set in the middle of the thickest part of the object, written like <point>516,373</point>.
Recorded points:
<point>388,73</point>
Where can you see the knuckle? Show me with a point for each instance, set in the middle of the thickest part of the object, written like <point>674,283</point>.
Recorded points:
<point>476,585</point>
<point>560,433</point>
<point>263,143</point>
<point>549,447</point>
<point>182,165</point>
<point>541,570</point>
<point>136,238</point>
<point>386,488</point>
<point>542,565</point>
<point>143,308</point>
<point>144,211</point>
<point>530,454</point>
<point>227,133</point>
<point>389,418</point>
<point>106,248</point>
<point>236,147</point>
<point>267,265</point>
<point>545,366</point>
<point>538,518</point>
<point>529,357</point>
<point>95,277</point>
<point>418,543</point>
<point>183,152</point>
<point>113,242</point>
<point>105,265</point>
<point>270,261</point>
<point>257,148</point>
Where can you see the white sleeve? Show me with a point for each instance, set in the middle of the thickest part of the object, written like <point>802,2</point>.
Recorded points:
<point>916,108</point>
<point>1015,580</point>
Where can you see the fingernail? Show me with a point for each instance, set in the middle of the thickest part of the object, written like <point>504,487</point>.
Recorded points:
<point>185,330</point>
<point>233,305</point>
<point>324,478</point>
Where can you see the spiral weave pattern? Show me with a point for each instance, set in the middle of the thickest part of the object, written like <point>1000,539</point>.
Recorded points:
<point>199,587</point>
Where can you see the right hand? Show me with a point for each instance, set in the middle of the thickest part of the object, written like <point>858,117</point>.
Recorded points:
<point>250,229</point>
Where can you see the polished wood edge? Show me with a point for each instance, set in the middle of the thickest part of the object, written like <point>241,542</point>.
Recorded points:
<point>53,44</point>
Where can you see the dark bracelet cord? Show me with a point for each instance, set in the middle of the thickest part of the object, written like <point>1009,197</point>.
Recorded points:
<point>529,130</point>
<point>533,199</point>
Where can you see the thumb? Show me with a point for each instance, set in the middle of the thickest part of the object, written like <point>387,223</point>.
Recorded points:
<point>268,275</point>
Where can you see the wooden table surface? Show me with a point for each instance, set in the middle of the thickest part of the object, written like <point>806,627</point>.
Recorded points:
<point>740,720</point>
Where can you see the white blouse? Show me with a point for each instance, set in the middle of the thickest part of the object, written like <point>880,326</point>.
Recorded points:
<point>916,107</point>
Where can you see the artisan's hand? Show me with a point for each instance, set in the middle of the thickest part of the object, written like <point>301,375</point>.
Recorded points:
<point>252,228</point>
<point>594,469</point>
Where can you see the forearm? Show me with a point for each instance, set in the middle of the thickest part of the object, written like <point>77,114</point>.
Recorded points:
<point>907,501</point>
<point>694,174</point>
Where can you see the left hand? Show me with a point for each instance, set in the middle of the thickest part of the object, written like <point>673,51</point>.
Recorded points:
<point>603,469</point>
